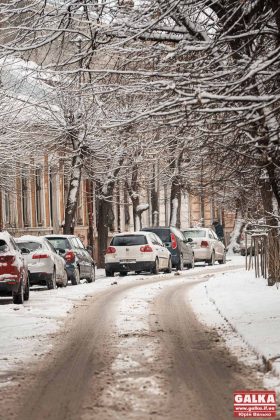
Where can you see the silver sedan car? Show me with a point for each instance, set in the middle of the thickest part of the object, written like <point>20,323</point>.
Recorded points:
<point>206,245</point>
<point>45,266</point>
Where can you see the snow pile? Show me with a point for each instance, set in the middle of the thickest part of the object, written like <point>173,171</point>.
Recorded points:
<point>249,307</point>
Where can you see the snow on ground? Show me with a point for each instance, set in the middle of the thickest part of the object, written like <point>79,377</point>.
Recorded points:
<point>138,351</point>
<point>24,328</point>
<point>246,312</point>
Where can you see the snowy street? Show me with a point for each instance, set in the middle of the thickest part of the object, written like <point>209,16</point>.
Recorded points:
<point>133,347</point>
<point>139,209</point>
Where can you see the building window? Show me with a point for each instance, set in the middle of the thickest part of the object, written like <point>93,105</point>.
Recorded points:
<point>38,196</point>
<point>25,200</point>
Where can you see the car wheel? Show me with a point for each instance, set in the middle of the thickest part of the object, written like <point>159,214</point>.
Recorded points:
<point>123,273</point>
<point>169,268</point>
<point>223,260</point>
<point>76,278</point>
<point>92,275</point>
<point>65,279</point>
<point>51,283</point>
<point>155,269</point>
<point>109,273</point>
<point>212,259</point>
<point>18,297</point>
<point>191,265</point>
<point>180,265</point>
<point>137,272</point>
<point>26,290</point>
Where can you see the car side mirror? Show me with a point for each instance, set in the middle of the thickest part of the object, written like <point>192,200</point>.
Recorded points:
<point>25,251</point>
<point>89,249</point>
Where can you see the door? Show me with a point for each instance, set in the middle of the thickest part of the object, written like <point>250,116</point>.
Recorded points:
<point>59,261</point>
<point>217,245</point>
<point>80,256</point>
<point>186,250</point>
<point>86,257</point>
<point>160,250</point>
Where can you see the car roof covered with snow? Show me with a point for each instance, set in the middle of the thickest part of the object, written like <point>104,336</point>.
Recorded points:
<point>131,233</point>
<point>30,238</point>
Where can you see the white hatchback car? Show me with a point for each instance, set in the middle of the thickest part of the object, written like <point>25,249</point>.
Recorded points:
<point>206,245</point>
<point>45,266</point>
<point>137,251</point>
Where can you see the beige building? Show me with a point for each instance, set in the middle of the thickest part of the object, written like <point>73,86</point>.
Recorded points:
<point>36,206</point>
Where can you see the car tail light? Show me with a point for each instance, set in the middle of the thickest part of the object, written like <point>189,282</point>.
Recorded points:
<point>8,259</point>
<point>39,256</point>
<point>173,241</point>
<point>70,256</point>
<point>204,244</point>
<point>110,250</point>
<point>146,248</point>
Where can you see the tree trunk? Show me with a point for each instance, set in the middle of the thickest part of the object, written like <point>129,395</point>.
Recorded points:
<point>103,209</point>
<point>89,191</point>
<point>155,200</point>
<point>238,225</point>
<point>126,209</point>
<point>273,238</point>
<point>73,194</point>
<point>135,203</point>
<point>175,203</point>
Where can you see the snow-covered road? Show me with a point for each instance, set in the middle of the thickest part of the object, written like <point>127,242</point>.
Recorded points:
<point>138,326</point>
<point>27,330</point>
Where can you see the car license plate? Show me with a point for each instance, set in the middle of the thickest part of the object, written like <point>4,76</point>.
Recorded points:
<point>127,261</point>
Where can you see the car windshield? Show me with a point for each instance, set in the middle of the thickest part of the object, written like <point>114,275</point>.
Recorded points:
<point>163,234</point>
<point>129,240</point>
<point>195,233</point>
<point>31,246</point>
<point>59,243</point>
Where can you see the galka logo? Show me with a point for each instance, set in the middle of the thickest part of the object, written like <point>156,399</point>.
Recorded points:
<point>255,404</point>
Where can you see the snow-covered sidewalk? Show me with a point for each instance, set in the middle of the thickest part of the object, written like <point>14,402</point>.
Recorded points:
<point>246,312</point>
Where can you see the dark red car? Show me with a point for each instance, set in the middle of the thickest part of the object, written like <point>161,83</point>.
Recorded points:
<point>13,270</point>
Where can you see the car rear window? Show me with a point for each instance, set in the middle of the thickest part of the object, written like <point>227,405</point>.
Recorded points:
<point>195,233</point>
<point>59,243</point>
<point>163,234</point>
<point>129,240</point>
<point>3,246</point>
<point>32,246</point>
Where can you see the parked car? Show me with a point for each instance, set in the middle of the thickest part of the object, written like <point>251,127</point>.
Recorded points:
<point>45,266</point>
<point>250,230</point>
<point>206,245</point>
<point>137,251</point>
<point>79,263</point>
<point>181,251</point>
<point>13,270</point>
<point>243,245</point>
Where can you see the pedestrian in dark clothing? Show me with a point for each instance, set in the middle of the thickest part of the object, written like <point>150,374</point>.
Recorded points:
<point>219,230</point>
